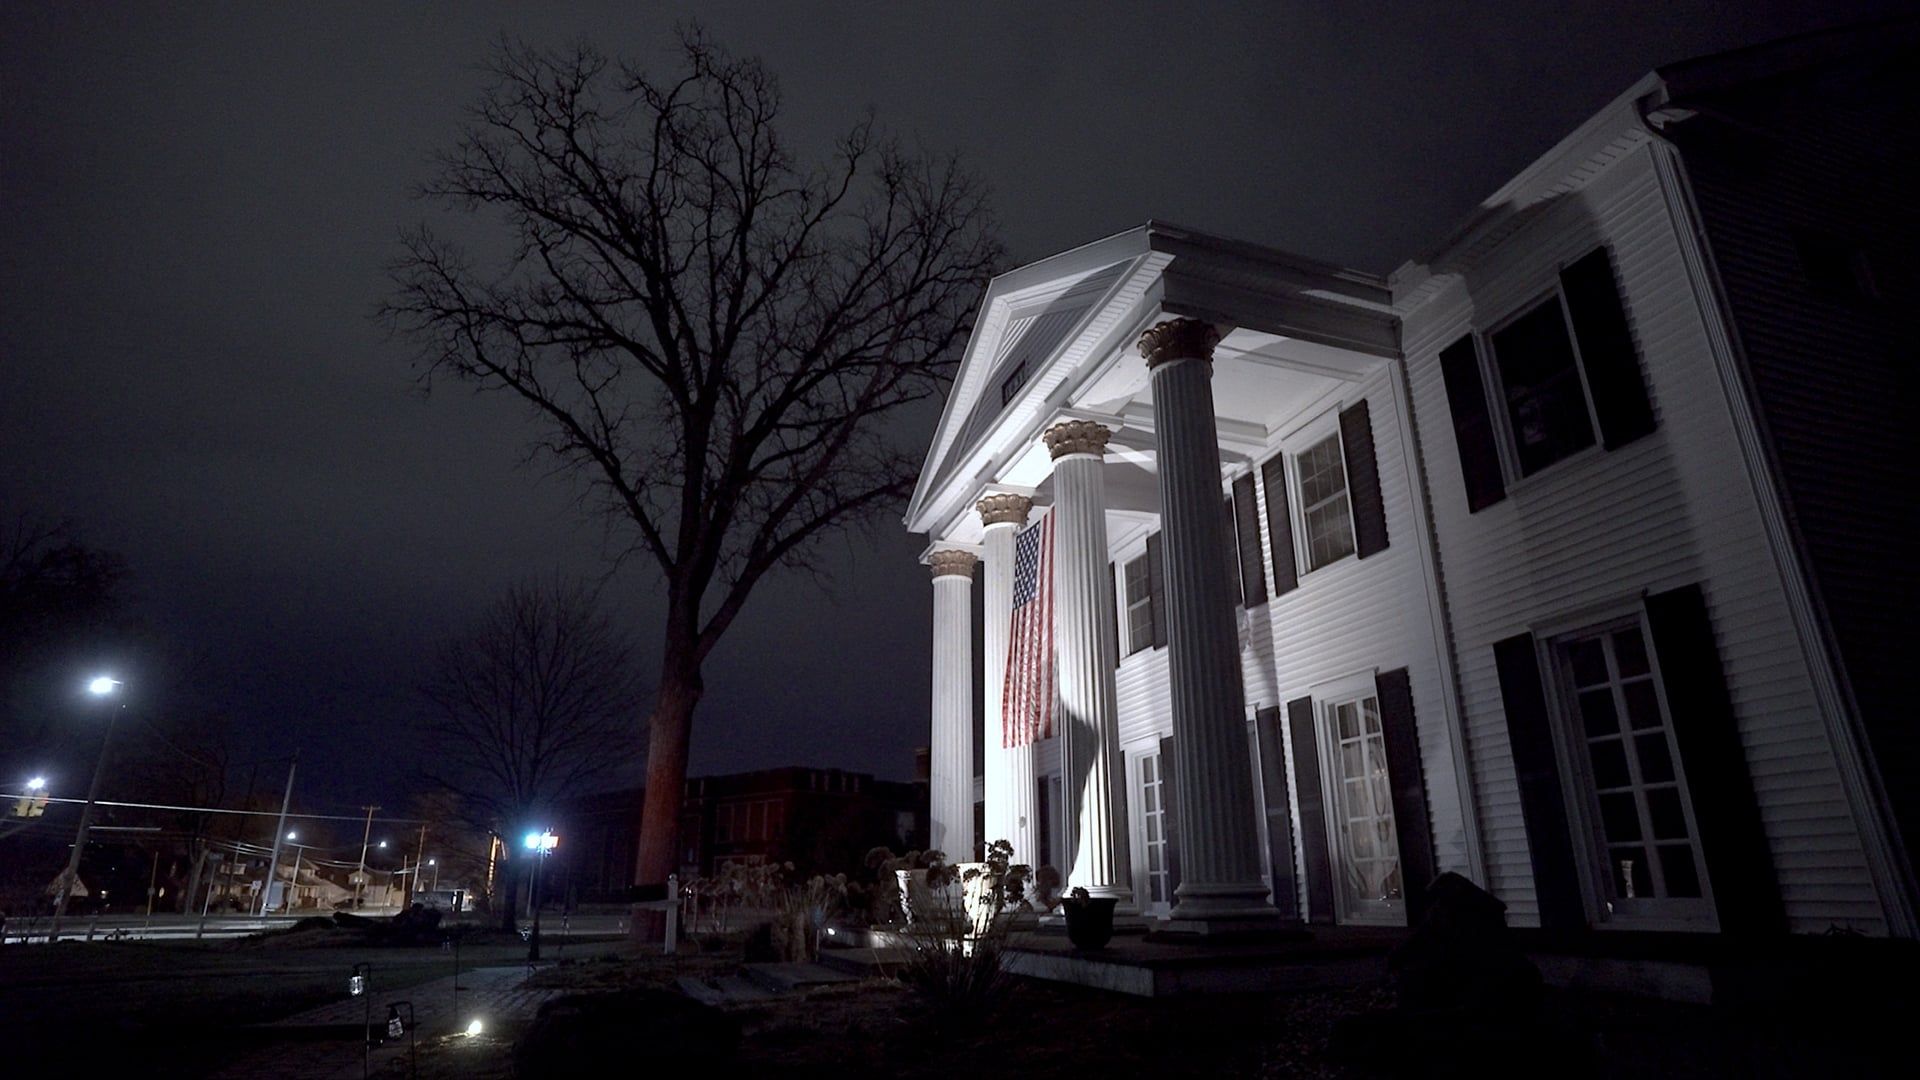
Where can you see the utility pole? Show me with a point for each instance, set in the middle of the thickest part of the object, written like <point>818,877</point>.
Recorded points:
<point>279,834</point>
<point>72,873</point>
<point>419,854</point>
<point>295,883</point>
<point>361,882</point>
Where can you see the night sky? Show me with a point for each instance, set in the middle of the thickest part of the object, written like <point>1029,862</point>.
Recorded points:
<point>197,202</point>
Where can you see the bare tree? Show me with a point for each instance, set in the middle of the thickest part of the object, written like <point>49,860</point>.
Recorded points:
<point>711,331</point>
<point>533,703</point>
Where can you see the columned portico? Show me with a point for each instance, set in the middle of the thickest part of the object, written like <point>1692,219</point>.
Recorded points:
<point>951,751</point>
<point>1011,815</point>
<point>1088,720</point>
<point>1215,812</point>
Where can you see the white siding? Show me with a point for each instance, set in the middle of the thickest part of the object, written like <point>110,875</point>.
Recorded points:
<point>1605,528</point>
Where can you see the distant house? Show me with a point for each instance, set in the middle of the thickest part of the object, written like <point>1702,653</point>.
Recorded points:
<point>1573,556</point>
<point>821,820</point>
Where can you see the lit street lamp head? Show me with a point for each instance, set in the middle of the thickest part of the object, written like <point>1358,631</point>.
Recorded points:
<point>38,783</point>
<point>102,685</point>
<point>543,841</point>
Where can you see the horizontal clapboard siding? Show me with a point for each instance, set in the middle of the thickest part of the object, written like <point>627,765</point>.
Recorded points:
<point>1598,530</point>
<point>1832,374</point>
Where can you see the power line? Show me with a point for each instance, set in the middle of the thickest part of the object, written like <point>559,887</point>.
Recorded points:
<point>218,810</point>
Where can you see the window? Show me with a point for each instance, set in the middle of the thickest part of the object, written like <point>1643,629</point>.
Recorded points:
<point>1367,847</point>
<point>1634,792</point>
<point>1325,516</point>
<point>1153,830</point>
<point>1558,377</point>
<point>1139,600</point>
<point>1015,379</point>
<point>1546,407</point>
<point>723,825</point>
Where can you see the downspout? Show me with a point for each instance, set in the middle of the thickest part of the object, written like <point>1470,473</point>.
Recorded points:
<point>1893,875</point>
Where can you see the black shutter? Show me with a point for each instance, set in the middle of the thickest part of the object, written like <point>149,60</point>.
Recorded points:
<point>1472,426</point>
<point>1410,823</point>
<point>1732,838</point>
<point>1157,590</point>
<point>1169,801</point>
<point>1273,786</point>
<point>1314,855</point>
<point>1286,577</point>
<point>1119,600</point>
<point>1246,528</point>
<point>1363,480</point>
<point>1606,349</point>
<point>1556,881</point>
<point>1233,551</point>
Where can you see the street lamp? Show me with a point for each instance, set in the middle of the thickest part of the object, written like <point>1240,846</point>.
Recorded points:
<point>37,784</point>
<point>435,863</point>
<point>541,844</point>
<point>100,686</point>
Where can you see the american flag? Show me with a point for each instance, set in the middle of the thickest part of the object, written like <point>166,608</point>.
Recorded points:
<point>1026,705</point>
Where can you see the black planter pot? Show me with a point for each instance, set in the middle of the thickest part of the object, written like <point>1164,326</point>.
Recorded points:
<point>1090,921</point>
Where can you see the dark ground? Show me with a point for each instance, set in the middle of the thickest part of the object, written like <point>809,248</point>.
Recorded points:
<point>183,1007</point>
<point>86,1007</point>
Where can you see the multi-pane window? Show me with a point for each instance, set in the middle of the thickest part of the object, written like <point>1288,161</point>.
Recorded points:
<point>1325,517</point>
<point>1641,814</point>
<point>1153,825</point>
<point>1139,606</point>
<point>1369,848</point>
<point>1540,377</point>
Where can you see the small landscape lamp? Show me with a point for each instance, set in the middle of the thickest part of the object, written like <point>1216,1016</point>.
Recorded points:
<point>395,1026</point>
<point>357,982</point>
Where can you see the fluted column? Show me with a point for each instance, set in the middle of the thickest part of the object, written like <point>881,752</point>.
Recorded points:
<point>1215,811</point>
<point>951,745</point>
<point>1083,620</point>
<point>1010,782</point>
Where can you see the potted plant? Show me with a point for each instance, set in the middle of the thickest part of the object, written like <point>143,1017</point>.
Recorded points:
<point>992,886</point>
<point>1089,918</point>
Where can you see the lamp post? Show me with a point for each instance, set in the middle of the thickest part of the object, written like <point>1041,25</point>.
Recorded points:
<point>100,686</point>
<point>541,844</point>
<point>435,863</point>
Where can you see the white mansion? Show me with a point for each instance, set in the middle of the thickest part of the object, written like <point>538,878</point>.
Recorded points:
<point>1569,557</point>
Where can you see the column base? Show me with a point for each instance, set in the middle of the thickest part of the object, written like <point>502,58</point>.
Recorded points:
<point>1235,908</point>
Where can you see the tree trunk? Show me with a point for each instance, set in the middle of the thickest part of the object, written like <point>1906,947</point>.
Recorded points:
<point>669,732</point>
<point>506,896</point>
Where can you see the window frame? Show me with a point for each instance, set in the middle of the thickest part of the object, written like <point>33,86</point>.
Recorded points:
<point>1323,426</point>
<point>1327,697</point>
<point>1128,604</point>
<point>1576,768</point>
<point>1495,384</point>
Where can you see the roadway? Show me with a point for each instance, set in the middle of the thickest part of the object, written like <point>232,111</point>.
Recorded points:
<point>174,927</point>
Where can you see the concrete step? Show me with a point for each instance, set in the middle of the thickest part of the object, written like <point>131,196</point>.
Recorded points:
<point>700,990</point>
<point>785,978</point>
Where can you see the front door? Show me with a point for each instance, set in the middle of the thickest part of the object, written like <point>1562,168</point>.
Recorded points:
<point>1366,848</point>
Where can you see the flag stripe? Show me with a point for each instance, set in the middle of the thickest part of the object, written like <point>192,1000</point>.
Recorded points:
<point>1026,700</point>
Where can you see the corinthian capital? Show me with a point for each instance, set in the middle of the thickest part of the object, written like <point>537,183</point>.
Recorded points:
<point>1179,339</point>
<point>1076,437</point>
<point>1004,510</point>
<point>952,563</point>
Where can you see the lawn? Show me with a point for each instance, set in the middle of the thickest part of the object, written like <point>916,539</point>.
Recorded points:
<point>173,1009</point>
